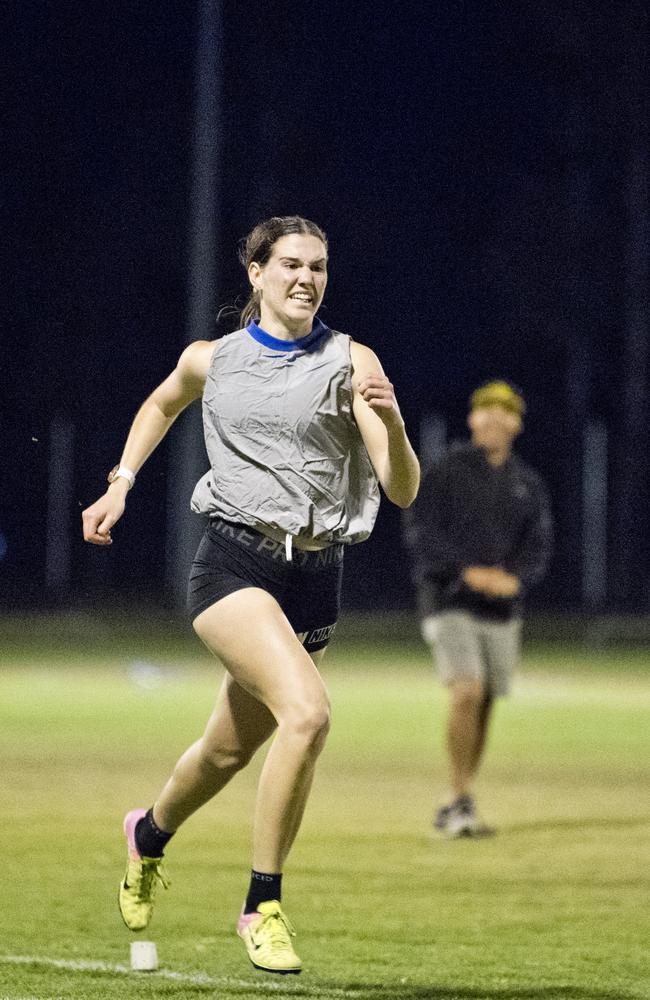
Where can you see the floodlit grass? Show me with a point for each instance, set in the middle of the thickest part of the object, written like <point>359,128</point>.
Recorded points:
<point>554,908</point>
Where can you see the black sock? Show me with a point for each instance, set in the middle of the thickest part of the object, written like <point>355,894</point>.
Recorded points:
<point>262,888</point>
<point>149,838</point>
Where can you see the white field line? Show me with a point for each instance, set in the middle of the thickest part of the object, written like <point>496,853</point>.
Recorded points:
<point>30,998</point>
<point>196,979</point>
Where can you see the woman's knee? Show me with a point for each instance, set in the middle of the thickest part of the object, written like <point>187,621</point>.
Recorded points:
<point>309,722</point>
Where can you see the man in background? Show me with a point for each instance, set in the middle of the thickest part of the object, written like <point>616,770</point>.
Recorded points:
<point>481,536</point>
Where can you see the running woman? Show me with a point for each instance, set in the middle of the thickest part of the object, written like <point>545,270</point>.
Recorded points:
<point>300,423</point>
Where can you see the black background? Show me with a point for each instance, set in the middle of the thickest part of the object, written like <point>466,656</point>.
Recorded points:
<point>471,166</point>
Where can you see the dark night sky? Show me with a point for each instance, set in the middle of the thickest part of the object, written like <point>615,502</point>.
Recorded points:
<point>468,163</point>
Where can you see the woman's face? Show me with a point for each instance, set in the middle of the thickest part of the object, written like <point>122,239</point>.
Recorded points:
<point>291,283</point>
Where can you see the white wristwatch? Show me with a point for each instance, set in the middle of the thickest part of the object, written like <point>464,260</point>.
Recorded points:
<point>121,470</point>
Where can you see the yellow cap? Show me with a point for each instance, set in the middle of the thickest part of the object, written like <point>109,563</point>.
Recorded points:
<point>498,394</point>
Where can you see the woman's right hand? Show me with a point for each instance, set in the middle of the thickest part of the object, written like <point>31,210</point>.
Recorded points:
<point>99,518</point>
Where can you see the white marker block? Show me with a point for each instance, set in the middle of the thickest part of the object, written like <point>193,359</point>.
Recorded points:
<point>144,957</point>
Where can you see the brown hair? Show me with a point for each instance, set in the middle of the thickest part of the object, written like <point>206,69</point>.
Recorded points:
<point>259,243</point>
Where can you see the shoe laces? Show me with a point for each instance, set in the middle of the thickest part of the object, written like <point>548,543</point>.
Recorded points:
<point>151,869</point>
<point>278,927</point>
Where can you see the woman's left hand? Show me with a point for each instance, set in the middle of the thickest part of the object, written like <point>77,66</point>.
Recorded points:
<point>379,394</point>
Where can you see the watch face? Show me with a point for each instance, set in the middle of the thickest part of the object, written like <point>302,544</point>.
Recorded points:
<point>111,475</point>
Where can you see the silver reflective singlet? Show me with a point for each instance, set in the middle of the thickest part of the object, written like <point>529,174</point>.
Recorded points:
<point>284,449</point>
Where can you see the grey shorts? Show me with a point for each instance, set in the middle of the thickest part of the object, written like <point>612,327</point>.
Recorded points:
<point>468,647</point>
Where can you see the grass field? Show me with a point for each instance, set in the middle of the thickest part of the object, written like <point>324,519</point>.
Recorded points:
<point>554,908</point>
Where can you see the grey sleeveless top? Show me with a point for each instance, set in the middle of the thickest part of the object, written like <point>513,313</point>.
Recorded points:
<point>285,452</point>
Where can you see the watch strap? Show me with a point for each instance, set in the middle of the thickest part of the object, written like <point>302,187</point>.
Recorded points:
<point>121,470</point>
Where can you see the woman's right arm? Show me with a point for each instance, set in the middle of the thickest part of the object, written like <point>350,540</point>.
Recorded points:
<point>151,423</point>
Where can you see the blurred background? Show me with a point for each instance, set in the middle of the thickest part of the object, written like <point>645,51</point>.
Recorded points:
<point>481,170</point>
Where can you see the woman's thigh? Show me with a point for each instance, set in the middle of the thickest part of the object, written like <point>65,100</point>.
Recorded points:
<point>252,637</point>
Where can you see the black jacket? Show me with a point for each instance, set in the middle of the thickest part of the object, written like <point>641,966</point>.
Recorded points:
<point>471,513</point>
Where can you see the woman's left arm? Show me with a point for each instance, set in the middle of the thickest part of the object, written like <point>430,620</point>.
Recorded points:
<point>382,427</point>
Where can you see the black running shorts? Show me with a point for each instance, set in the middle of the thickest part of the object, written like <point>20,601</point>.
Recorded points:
<point>307,587</point>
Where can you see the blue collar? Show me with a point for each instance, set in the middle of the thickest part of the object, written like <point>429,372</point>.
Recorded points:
<point>306,343</point>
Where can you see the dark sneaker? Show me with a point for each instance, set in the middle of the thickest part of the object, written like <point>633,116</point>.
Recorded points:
<point>442,817</point>
<point>458,819</point>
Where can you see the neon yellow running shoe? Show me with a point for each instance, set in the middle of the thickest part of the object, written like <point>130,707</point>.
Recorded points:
<point>138,886</point>
<point>267,935</point>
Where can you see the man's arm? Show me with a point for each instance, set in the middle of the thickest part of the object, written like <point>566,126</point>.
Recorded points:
<point>532,556</point>
<point>434,551</point>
